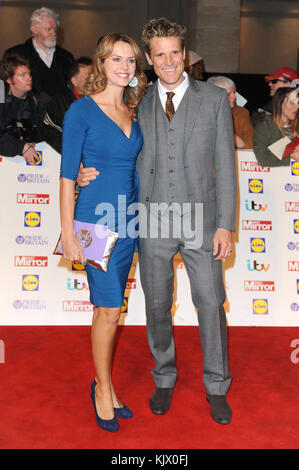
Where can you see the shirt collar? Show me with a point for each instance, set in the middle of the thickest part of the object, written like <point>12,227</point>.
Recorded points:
<point>179,90</point>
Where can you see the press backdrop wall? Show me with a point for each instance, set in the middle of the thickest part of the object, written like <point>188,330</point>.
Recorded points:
<point>38,288</point>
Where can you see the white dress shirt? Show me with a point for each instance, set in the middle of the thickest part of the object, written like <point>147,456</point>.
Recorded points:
<point>179,92</point>
<point>47,58</point>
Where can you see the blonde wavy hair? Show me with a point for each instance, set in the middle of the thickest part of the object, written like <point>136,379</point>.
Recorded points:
<point>97,80</point>
<point>161,28</point>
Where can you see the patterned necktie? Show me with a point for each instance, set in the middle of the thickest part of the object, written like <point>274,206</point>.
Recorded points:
<point>169,108</point>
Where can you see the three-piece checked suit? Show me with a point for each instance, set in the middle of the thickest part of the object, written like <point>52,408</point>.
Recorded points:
<point>187,160</point>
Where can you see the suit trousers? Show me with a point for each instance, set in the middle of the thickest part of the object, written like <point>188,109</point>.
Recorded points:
<point>208,296</point>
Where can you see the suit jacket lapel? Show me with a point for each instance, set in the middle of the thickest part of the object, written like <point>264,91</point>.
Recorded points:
<point>150,115</point>
<point>195,98</point>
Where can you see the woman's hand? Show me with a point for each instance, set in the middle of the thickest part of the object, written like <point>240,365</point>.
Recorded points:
<point>72,249</point>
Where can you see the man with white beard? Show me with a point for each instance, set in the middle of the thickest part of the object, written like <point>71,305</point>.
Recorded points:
<point>49,63</point>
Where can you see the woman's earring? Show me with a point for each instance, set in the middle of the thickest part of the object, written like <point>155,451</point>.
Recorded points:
<point>133,82</point>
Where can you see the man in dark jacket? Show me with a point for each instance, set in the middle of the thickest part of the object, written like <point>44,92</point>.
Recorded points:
<point>49,63</point>
<point>21,111</point>
<point>59,104</point>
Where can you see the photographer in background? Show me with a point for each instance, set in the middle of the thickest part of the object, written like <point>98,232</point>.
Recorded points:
<point>21,111</point>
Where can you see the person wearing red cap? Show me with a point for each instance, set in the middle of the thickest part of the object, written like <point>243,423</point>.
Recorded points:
<point>281,78</point>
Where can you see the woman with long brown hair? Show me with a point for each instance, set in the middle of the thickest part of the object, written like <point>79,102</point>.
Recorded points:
<point>283,122</point>
<point>102,131</point>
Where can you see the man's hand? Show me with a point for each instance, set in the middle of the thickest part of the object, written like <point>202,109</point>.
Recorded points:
<point>85,175</point>
<point>222,244</point>
<point>29,153</point>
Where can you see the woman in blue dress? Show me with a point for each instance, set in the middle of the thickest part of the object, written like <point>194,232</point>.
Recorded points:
<point>101,131</point>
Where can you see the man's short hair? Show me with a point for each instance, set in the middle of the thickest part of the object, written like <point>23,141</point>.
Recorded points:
<point>75,67</point>
<point>37,16</point>
<point>9,64</point>
<point>222,81</point>
<point>161,28</point>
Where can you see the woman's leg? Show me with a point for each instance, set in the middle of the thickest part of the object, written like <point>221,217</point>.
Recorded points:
<point>103,332</point>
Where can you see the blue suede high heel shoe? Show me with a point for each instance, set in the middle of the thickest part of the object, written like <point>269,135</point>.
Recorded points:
<point>106,424</point>
<point>123,412</point>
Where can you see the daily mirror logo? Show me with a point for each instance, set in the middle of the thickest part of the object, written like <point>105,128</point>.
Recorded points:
<point>257,225</point>
<point>253,166</point>
<point>260,286</point>
<point>291,206</point>
<point>26,198</point>
<point>31,261</point>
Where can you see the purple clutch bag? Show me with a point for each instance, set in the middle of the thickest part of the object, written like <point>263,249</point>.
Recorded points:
<point>97,242</point>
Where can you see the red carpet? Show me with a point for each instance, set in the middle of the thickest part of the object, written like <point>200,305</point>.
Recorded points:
<point>45,399</point>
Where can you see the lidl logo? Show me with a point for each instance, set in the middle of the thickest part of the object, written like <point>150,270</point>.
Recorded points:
<point>30,282</point>
<point>32,219</point>
<point>255,186</point>
<point>258,245</point>
<point>39,160</point>
<point>296,225</point>
<point>295,168</point>
<point>260,306</point>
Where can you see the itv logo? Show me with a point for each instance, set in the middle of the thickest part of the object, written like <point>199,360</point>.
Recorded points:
<point>254,206</point>
<point>255,266</point>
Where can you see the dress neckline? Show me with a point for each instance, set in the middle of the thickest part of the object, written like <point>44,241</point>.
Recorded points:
<point>106,115</point>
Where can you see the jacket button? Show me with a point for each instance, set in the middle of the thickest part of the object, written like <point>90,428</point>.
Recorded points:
<point>152,171</point>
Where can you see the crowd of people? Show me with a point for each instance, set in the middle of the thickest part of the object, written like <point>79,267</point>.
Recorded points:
<point>170,142</point>
<point>39,81</point>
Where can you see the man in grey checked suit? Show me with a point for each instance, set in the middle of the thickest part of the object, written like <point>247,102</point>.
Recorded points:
<point>188,159</point>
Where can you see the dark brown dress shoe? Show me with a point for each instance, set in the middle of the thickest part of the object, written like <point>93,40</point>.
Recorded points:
<point>160,400</point>
<point>220,410</point>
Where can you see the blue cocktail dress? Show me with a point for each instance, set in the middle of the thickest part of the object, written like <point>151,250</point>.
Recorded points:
<point>90,136</point>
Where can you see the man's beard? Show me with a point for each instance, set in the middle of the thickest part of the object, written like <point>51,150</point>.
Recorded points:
<point>50,42</point>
